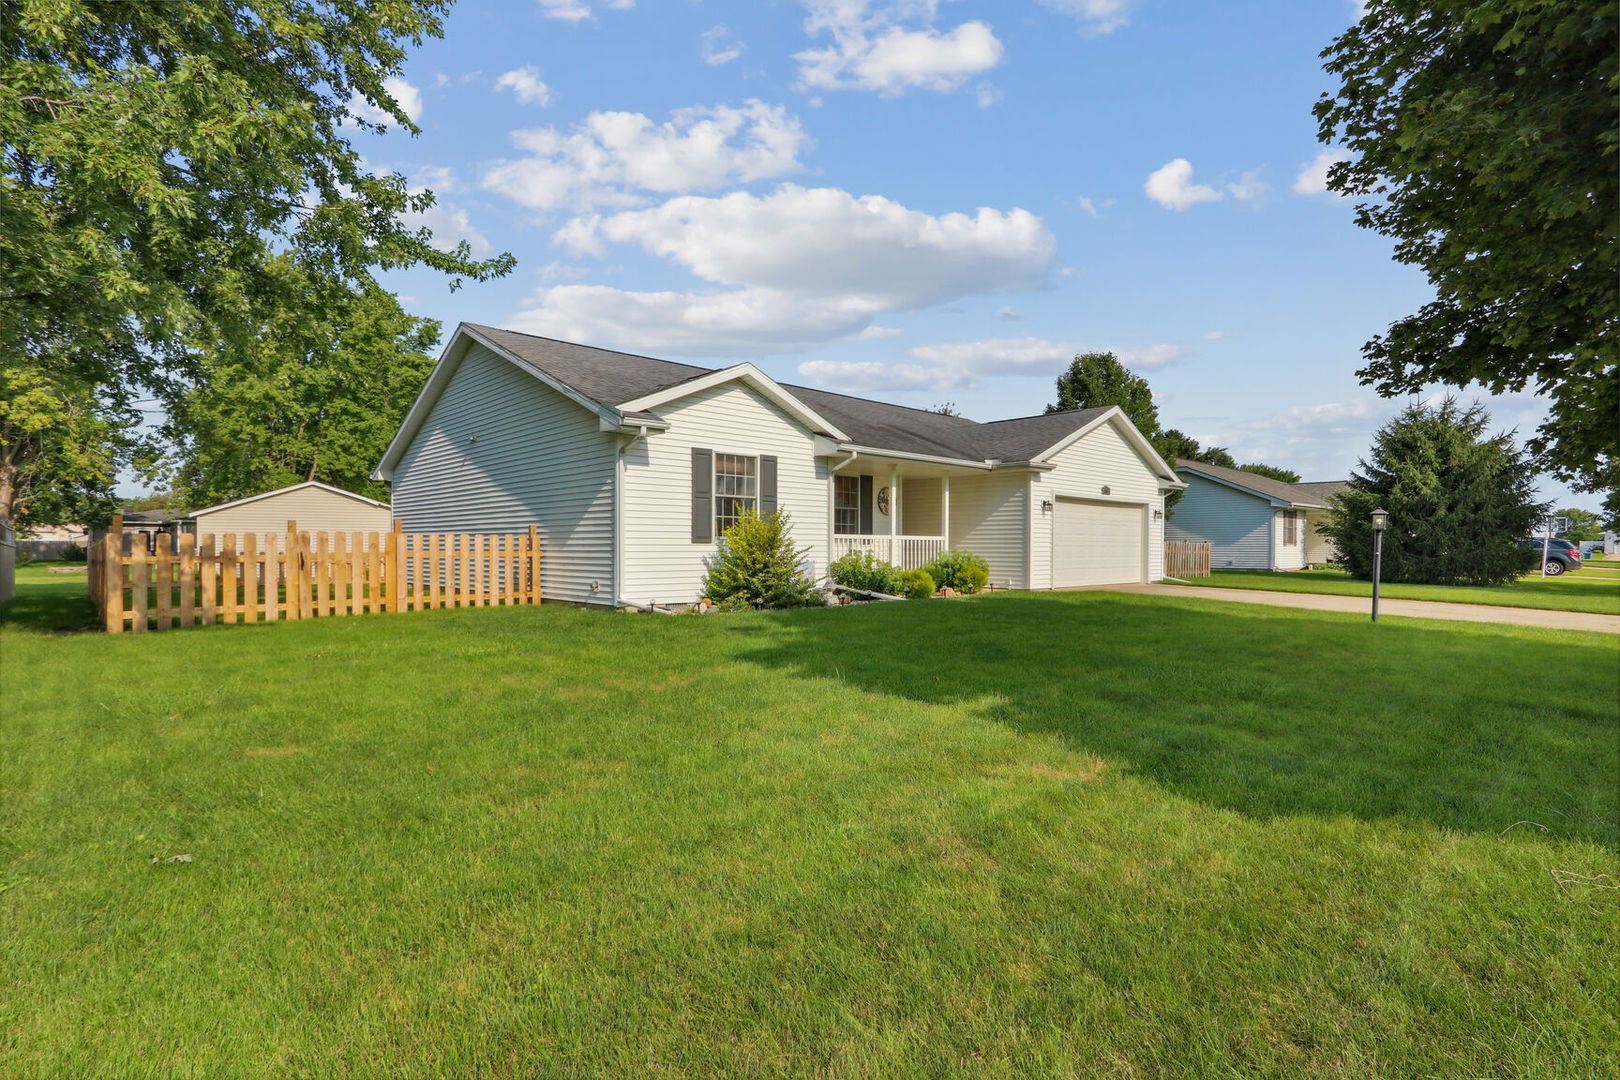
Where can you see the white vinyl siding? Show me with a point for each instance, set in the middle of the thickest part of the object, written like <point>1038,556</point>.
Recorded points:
<point>920,505</point>
<point>661,563</point>
<point>1237,525</point>
<point>501,451</point>
<point>989,517</point>
<point>315,510</point>
<point>1102,458</point>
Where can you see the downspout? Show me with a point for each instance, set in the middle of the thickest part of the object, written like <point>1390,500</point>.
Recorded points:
<point>618,509</point>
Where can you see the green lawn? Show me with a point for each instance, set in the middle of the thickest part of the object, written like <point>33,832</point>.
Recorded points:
<point>1081,835</point>
<point>1579,590</point>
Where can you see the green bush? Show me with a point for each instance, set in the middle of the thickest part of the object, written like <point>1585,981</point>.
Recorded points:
<point>859,570</point>
<point>756,565</point>
<point>960,570</point>
<point>918,585</point>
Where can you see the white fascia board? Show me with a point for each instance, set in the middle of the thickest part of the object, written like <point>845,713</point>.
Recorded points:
<point>283,491</point>
<point>904,455</point>
<point>443,369</point>
<point>631,426</point>
<point>754,377</point>
<point>1116,416</point>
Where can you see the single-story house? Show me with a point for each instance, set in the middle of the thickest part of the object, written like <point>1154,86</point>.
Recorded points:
<point>53,541</point>
<point>315,506</point>
<point>631,468</point>
<point>1252,522</point>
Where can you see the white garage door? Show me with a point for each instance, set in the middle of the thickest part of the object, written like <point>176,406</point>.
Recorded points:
<point>1096,543</point>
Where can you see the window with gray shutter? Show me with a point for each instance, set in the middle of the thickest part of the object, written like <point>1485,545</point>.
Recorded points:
<point>702,496</point>
<point>767,486</point>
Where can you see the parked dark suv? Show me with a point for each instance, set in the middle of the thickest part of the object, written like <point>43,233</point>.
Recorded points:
<point>1561,554</point>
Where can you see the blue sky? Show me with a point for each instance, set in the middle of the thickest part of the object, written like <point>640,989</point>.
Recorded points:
<point>922,201</point>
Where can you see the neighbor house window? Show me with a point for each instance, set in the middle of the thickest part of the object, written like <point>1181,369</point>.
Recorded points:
<point>736,489</point>
<point>846,505</point>
<point>1290,527</point>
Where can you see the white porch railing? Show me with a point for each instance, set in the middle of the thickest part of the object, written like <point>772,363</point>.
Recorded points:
<point>906,552</point>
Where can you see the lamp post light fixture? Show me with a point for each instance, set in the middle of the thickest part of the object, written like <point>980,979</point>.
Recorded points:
<point>1380,518</point>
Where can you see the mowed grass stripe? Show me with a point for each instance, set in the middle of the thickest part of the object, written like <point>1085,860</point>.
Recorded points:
<point>1074,835</point>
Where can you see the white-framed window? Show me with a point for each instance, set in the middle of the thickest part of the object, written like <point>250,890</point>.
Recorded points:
<point>846,505</point>
<point>736,489</point>
<point>1290,528</point>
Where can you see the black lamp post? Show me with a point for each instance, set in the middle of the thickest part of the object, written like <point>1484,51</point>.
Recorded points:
<point>1380,518</point>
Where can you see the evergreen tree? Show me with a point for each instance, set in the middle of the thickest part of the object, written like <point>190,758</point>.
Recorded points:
<point>757,565</point>
<point>1458,500</point>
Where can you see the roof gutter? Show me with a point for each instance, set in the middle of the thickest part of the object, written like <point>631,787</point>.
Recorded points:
<point>932,459</point>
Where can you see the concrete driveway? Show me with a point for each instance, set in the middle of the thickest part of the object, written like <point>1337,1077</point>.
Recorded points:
<point>1361,605</point>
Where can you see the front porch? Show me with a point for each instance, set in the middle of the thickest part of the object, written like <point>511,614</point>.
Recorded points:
<point>899,511</point>
<point>906,552</point>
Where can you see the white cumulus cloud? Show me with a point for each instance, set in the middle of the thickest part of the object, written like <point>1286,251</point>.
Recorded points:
<point>956,365</point>
<point>613,158</point>
<point>893,47</point>
<point>577,10</point>
<point>408,96</point>
<point>719,47</point>
<point>526,84</point>
<point>450,225</point>
<point>1313,175</point>
<point>1171,186</point>
<point>791,269</point>
<point>1096,16</point>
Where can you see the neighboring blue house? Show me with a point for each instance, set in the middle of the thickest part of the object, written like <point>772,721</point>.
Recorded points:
<point>1252,522</point>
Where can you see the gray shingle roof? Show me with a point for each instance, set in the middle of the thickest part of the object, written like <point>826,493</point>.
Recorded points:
<point>613,378</point>
<point>1311,494</point>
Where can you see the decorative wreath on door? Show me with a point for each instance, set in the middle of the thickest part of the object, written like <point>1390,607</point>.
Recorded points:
<point>883,501</point>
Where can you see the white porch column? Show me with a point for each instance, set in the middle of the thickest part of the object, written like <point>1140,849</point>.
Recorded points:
<point>945,509</point>
<point>894,512</point>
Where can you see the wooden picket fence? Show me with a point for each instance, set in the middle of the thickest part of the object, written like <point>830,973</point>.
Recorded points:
<point>1186,558</point>
<point>268,577</point>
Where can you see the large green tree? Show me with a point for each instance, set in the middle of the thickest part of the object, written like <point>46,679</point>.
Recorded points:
<point>59,450</point>
<point>1458,500</point>
<point>1582,524</point>
<point>157,156</point>
<point>1483,137</point>
<point>1098,379</point>
<point>317,394</point>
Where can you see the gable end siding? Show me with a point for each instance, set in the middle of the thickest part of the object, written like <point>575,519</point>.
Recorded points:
<point>990,517</point>
<point>1102,458</point>
<point>1237,526</point>
<point>314,510</point>
<point>501,451</point>
<point>661,561</point>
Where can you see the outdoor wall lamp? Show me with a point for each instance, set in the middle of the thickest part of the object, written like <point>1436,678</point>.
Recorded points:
<point>1046,506</point>
<point>1380,518</point>
<point>1158,515</point>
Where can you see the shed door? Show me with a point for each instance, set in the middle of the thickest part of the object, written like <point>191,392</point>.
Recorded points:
<point>1096,543</point>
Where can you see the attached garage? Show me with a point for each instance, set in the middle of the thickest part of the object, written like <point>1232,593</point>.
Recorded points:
<point>1098,543</point>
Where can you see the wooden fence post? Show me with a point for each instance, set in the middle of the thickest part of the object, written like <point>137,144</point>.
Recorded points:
<point>165,580</point>
<point>137,585</point>
<point>112,576</point>
<point>188,580</point>
<point>396,588</point>
<point>227,555</point>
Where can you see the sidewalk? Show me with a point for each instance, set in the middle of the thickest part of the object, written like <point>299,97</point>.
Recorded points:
<point>1416,609</point>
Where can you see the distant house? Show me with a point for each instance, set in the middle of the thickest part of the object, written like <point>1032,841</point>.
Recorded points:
<point>315,506</point>
<point>632,467</point>
<point>53,541</point>
<point>1252,522</point>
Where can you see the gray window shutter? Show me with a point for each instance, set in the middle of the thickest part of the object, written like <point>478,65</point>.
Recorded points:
<point>866,503</point>
<point>702,496</point>
<point>767,486</point>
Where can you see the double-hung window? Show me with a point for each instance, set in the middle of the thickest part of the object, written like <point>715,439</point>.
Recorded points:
<point>736,489</point>
<point>846,505</point>
<point>1290,527</point>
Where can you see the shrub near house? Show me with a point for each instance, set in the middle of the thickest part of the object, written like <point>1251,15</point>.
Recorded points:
<point>757,566</point>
